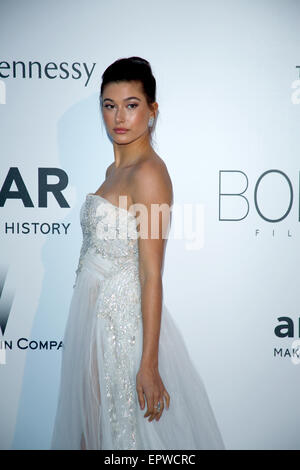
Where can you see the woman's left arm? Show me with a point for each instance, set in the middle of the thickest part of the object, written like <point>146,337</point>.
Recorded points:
<point>152,196</point>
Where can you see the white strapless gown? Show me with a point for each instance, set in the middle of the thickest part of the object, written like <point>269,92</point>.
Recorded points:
<point>103,344</point>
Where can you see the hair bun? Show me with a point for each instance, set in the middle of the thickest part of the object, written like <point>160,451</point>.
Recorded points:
<point>140,60</point>
<point>131,69</point>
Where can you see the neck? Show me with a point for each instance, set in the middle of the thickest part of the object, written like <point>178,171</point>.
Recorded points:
<point>129,154</point>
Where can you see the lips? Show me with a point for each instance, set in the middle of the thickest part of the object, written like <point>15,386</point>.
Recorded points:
<point>120,130</point>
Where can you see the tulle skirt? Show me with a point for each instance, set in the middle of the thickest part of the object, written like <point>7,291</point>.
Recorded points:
<point>98,406</point>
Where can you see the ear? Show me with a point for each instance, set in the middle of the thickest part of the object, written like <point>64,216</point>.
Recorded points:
<point>155,108</point>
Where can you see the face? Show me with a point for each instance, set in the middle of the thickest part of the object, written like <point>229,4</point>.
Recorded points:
<point>124,106</point>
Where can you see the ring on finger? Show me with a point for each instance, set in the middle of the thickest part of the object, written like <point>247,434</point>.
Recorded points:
<point>157,407</point>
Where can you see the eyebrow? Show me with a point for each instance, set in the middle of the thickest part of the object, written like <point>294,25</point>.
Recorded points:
<point>125,99</point>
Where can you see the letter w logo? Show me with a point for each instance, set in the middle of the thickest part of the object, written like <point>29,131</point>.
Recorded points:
<point>6,300</point>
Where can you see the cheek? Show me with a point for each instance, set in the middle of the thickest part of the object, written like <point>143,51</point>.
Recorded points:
<point>107,117</point>
<point>138,120</point>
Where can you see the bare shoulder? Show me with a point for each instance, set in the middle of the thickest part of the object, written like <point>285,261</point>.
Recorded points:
<point>151,182</point>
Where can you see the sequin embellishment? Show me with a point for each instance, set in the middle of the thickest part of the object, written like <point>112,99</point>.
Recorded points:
<point>118,308</point>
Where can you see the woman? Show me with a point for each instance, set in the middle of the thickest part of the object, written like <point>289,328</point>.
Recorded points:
<point>127,381</point>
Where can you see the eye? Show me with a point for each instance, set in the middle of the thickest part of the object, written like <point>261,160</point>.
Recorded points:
<point>107,106</point>
<point>133,104</point>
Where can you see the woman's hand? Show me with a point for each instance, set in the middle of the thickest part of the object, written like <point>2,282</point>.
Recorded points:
<point>148,382</point>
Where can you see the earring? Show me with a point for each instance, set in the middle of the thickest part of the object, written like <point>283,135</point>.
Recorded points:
<point>150,122</point>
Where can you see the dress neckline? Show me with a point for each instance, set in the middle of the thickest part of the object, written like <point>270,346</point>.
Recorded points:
<point>110,203</point>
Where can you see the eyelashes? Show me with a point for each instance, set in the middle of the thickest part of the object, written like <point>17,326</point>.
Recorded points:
<point>110,106</point>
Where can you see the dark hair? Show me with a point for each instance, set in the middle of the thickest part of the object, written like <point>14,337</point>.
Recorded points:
<point>132,69</point>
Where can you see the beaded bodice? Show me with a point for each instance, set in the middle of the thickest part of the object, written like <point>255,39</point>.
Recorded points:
<point>109,232</point>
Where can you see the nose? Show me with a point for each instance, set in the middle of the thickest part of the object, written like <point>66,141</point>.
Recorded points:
<point>120,115</point>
